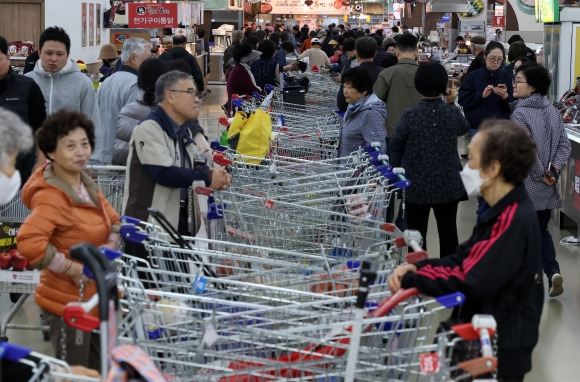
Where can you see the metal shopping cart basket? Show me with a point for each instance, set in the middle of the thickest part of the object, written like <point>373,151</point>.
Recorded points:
<point>209,338</point>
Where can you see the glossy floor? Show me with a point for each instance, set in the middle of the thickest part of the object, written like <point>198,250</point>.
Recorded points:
<point>556,355</point>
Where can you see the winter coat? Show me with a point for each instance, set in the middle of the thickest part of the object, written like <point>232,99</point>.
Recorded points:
<point>21,95</point>
<point>59,220</point>
<point>179,53</point>
<point>380,56</point>
<point>119,90</point>
<point>67,89</point>
<point>426,141</point>
<point>475,107</point>
<point>129,117</point>
<point>499,269</point>
<point>158,168</point>
<point>264,71</point>
<point>373,69</point>
<point>240,82</point>
<point>316,57</point>
<point>543,122</point>
<point>395,86</point>
<point>362,125</point>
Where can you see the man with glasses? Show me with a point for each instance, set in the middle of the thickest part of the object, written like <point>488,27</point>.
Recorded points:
<point>163,160</point>
<point>487,92</point>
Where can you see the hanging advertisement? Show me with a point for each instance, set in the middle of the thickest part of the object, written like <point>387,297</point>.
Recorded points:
<point>300,7</point>
<point>91,24</point>
<point>159,15</point>
<point>98,24</point>
<point>84,24</point>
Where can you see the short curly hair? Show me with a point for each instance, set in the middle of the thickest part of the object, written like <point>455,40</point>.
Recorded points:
<point>510,145</point>
<point>59,125</point>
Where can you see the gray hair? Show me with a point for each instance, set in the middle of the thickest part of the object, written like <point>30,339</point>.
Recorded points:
<point>237,37</point>
<point>168,81</point>
<point>15,135</point>
<point>134,45</point>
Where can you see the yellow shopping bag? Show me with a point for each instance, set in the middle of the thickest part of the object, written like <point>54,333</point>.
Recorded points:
<point>251,135</point>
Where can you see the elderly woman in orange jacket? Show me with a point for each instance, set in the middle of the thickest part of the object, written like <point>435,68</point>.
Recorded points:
<point>67,208</point>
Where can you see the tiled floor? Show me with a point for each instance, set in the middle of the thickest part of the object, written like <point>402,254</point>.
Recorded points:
<point>555,357</point>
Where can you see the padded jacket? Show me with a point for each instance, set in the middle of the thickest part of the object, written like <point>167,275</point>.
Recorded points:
<point>470,97</point>
<point>59,220</point>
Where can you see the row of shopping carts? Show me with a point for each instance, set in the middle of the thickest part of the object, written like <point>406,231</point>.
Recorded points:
<point>273,293</point>
<point>292,281</point>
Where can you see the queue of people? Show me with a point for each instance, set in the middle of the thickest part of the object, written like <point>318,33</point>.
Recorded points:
<point>146,124</point>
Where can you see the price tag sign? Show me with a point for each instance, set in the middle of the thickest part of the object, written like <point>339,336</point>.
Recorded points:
<point>429,363</point>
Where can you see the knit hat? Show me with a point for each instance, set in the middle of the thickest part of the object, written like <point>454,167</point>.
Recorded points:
<point>515,38</point>
<point>3,46</point>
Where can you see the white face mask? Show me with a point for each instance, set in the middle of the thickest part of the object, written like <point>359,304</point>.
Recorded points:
<point>9,187</point>
<point>471,180</point>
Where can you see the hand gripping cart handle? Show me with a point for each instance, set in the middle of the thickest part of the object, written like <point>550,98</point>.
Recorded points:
<point>77,314</point>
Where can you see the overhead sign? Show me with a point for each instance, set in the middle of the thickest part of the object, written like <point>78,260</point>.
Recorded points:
<point>149,15</point>
<point>299,7</point>
<point>547,11</point>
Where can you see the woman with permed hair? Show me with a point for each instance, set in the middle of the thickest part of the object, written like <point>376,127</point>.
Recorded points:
<point>67,208</point>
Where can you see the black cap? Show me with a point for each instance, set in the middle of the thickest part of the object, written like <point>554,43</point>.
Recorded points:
<point>515,38</point>
<point>3,45</point>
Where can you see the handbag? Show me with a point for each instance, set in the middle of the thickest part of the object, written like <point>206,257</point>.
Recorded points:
<point>250,135</point>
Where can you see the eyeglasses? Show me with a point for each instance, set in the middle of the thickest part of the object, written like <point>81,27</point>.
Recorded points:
<point>496,60</point>
<point>191,92</point>
<point>516,82</point>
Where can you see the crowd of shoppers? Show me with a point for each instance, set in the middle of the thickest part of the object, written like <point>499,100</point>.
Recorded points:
<point>144,116</point>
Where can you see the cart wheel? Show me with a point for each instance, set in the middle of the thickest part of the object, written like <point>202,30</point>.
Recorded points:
<point>45,333</point>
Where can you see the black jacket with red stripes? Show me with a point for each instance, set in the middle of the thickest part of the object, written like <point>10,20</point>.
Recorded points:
<point>499,269</point>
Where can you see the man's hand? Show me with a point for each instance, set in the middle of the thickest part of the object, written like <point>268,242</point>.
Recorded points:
<point>397,276</point>
<point>220,179</point>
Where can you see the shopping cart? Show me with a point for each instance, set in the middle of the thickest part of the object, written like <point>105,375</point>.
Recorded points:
<point>181,263</point>
<point>20,284</point>
<point>111,182</point>
<point>210,338</point>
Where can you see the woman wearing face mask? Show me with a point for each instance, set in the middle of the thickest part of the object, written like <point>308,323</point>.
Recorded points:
<point>534,112</point>
<point>15,138</point>
<point>499,267</point>
<point>67,209</point>
<point>486,92</point>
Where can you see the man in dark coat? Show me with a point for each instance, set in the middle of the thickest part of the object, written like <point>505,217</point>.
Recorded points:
<point>366,48</point>
<point>178,52</point>
<point>21,95</point>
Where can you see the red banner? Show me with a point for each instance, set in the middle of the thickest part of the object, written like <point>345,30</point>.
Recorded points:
<point>499,21</point>
<point>145,15</point>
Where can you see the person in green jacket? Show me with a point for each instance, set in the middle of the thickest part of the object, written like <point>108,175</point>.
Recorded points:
<point>395,86</point>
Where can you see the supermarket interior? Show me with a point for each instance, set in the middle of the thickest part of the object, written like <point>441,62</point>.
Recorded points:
<point>185,330</point>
